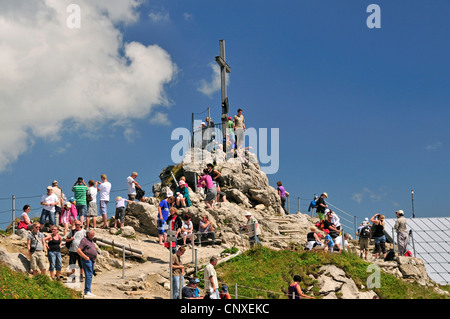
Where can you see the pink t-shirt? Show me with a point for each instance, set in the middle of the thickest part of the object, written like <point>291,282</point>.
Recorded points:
<point>208,181</point>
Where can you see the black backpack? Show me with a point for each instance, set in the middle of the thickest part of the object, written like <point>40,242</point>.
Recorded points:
<point>390,255</point>
<point>139,193</point>
<point>365,232</point>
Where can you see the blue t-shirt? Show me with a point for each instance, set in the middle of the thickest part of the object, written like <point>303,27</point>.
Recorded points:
<point>331,242</point>
<point>164,209</point>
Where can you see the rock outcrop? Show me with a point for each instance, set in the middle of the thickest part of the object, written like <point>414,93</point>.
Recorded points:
<point>246,189</point>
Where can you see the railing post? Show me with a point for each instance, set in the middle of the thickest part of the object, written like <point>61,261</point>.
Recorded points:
<point>123,262</point>
<point>170,270</point>
<point>288,205</point>
<point>196,265</point>
<point>13,214</point>
<point>414,247</point>
<point>393,240</point>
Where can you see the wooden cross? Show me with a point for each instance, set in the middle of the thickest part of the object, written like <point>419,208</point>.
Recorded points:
<point>224,68</point>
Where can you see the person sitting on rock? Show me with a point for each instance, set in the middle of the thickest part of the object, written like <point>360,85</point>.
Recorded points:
<point>313,239</point>
<point>183,200</point>
<point>330,226</point>
<point>206,230</point>
<point>187,229</point>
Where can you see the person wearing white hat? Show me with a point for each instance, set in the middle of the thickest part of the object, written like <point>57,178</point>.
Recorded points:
<point>364,232</point>
<point>253,229</point>
<point>402,234</point>
<point>48,202</point>
<point>321,206</point>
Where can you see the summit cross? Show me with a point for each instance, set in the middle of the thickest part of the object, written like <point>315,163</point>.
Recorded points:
<point>224,68</point>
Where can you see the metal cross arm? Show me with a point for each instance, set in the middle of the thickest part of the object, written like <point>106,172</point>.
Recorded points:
<point>223,64</point>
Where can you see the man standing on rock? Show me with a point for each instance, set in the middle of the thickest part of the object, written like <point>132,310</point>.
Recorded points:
<point>131,186</point>
<point>402,233</point>
<point>239,128</point>
<point>177,272</point>
<point>59,207</point>
<point>88,254</point>
<point>104,188</point>
<point>36,249</point>
<point>253,229</point>
<point>321,206</point>
<point>210,279</point>
<point>163,214</point>
<point>48,202</point>
<point>79,190</point>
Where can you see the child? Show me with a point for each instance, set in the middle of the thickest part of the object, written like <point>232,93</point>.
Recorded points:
<point>120,210</point>
<point>224,294</point>
<point>187,229</point>
<point>329,243</point>
<point>68,216</point>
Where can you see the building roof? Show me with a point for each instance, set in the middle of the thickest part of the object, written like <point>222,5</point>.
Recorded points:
<point>430,242</point>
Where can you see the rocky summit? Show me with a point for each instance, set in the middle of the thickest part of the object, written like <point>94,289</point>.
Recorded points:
<point>246,189</point>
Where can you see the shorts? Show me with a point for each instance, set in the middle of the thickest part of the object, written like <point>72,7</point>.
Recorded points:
<point>131,196</point>
<point>381,239</point>
<point>92,210</point>
<point>74,258</point>
<point>211,194</point>
<point>364,244</point>
<point>311,244</point>
<point>37,260</point>
<point>82,210</point>
<point>120,213</point>
<point>161,226</point>
<point>103,204</point>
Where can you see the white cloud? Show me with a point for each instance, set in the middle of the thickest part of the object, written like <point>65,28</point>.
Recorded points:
<point>160,16</point>
<point>357,197</point>
<point>52,75</point>
<point>375,197</point>
<point>188,16</point>
<point>214,85</point>
<point>434,146</point>
<point>160,119</point>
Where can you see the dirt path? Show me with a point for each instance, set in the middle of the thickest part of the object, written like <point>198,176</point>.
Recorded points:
<point>143,279</point>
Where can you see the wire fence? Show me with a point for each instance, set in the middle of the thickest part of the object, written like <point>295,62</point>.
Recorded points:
<point>295,204</point>
<point>8,215</point>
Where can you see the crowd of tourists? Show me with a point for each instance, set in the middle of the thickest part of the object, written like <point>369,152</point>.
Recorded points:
<point>73,214</point>
<point>327,233</point>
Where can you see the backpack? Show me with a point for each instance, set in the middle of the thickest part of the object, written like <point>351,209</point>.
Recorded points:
<point>69,243</point>
<point>390,255</point>
<point>365,232</point>
<point>139,193</point>
<point>320,225</point>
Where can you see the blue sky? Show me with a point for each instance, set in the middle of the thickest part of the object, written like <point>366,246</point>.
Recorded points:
<point>362,113</point>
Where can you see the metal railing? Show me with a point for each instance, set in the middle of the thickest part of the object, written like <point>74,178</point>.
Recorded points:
<point>20,201</point>
<point>348,221</point>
